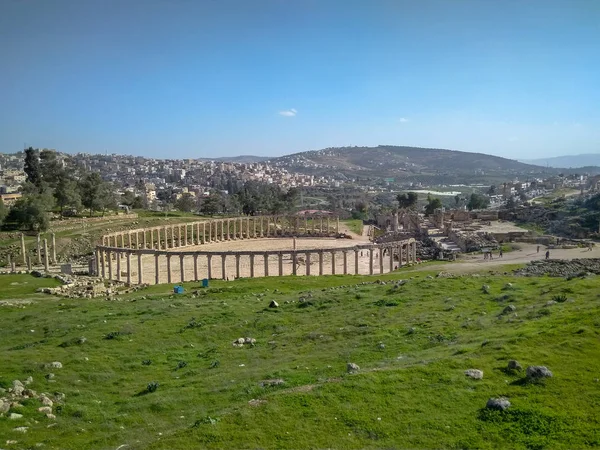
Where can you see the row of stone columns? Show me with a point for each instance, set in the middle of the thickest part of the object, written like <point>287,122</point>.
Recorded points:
<point>217,230</point>
<point>110,260</point>
<point>43,254</point>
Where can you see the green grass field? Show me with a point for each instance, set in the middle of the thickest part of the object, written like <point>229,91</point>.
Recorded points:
<point>355,225</point>
<point>412,343</point>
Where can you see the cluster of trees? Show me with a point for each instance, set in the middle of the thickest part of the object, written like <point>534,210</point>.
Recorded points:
<point>51,185</point>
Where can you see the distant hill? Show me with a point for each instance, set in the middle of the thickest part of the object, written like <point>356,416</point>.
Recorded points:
<point>407,163</point>
<point>568,161</point>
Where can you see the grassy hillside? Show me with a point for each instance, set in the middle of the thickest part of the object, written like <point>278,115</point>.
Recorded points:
<point>412,343</point>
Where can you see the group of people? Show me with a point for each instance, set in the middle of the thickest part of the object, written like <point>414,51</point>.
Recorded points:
<point>487,254</point>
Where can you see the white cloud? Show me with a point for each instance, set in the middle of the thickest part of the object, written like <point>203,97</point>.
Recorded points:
<point>288,113</point>
<point>403,120</point>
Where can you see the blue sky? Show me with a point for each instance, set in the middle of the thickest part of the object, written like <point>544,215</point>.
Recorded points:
<point>207,78</point>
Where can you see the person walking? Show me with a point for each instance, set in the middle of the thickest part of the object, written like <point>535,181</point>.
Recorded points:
<point>500,253</point>
<point>538,250</point>
<point>547,254</point>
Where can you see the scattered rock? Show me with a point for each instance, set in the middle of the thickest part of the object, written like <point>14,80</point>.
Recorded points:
<point>51,416</point>
<point>352,368</point>
<point>485,288</point>
<point>500,403</point>
<point>21,429</point>
<point>538,372</point>
<point>550,303</point>
<point>46,401</point>
<point>509,309</point>
<point>513,364</point>
<point>54,365</point>
<point>4,406</point>
<point>45,409</point>
<point>273,304</point>
<point>256,402</point>
<point>49,376</point>
<point>15,416</point>
<point>29,380</point>
<point>476,374</point>
<point>272,382</point>
<point>381,346</point>
<point>412,330</point>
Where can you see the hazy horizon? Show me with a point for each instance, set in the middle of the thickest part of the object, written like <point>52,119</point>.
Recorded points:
<point>212,79</point>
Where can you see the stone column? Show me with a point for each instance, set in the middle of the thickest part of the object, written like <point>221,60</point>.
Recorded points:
<point>241,228</point>
<point>320,262</point>
<point>118,256</point>
<point>280,255</point>
<point>172,236</point>
<point>196,268</point>
<point>39,250</point>
<point>248,228</point>
<point>380,260</point>
<point>327,225</point>
<point>307,263</point>
<point>305,224</point>
<point>102,271</point>
<point>312,223</point>
<point>268,226</point>
<point>266,261</point>
<point>203,232</point>
<point>181,268</point>
<point>414,251</point>
<point>223,263</point>
<point>46,264</point>
<point>129,267</point>
<point>192,241</point>
<point>228,229</point>
<point>166,246</point>
<point>29,263</point>
<point>337,225</point>
<point>321,224</point>
<point>145,239</point>
<point>140,269</point>
<point>345,254</point>
<point>109,258</point>
<point>371,261</point>
<point>198,234</point>
<point>234,229</point>
<point>128,240</point>
<point>391,255</point>
<point>294,263</point>
<point>156,268</point>
<point>262,232</point>
<point>355,262</point>
<point>332,263</point>
<point>254,226</point>
<point>209,266</point>
<point>23,250</point>
<point>251,265</point>
<point>168,268</point>
<point>237,265</point>
<point>97,263</point>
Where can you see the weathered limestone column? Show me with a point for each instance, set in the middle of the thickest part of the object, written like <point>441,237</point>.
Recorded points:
<point>254,226</point>
<point>234,229</point>
<point>39,249</point>
<point>192,241</point>
<point>332,263</point>
<point>140,269</point>
<point>228,229</point>
<point>156,268</point>
<point>371,261</point>
<point>129,267</point>
<point>355,262</point>
<point>380,260</point>
<point>137,240</point>
<point>327,225</point>
<point>204,232</point>
<point>312,222</point>
<point>320,262</point>
<point>46,264</point>
<point>248,228</point>
<point>266,261</point>
<point>307,263</point>
<point>237,265</point>
<point>294,263</point>
<point>179,236</point>
<point>337,225</point>
<point>345,253</point>
<point>414,251</point>
<point>321,224</point>
<point>168,268</point>
<point>391,255</point>
<point>109,258</point>
<point>223,264</point>
<point>305,224</point>
<point>118,256</point>
<point>29,263</point>
<point>23,250</point>
<point>96,272</point>
<point>251,265</point>
<point>262,233</point>
<point>241,228</point>
<point>145,238</point>
<point>280,255</point>
<point>198,234</point>
<point>172,236</point>
<point>181,269</point>
<point>268,218</point>
<point>102,271</point>
<point>166,246</point>
<point>185,229</point>
<point>196,277</point>
<point>209,266</point>
<point>128,240</point>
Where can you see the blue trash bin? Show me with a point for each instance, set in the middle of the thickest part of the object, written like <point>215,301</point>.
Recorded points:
<point>178,289</point>
<point>205,282</point>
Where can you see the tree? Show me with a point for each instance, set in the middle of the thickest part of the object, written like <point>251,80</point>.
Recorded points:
<point>492,190</point>
<point>186,203</point>
<point>89,187</point>
<point>108,198</point>
<point>213,204</point>
<point>32,167</point>
<point>3,211</point>
<point>433,203</point>
<point>478,201</point>
<point>67,194</point>
<point>407,200</point>
<point>29,213</point>
<point>457,199</point>
<point>51,169</point>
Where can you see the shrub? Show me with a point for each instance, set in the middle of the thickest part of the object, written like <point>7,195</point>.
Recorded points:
<point>152,386</point>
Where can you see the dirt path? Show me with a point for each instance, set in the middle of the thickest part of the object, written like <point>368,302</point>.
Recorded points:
<point>528,252</point>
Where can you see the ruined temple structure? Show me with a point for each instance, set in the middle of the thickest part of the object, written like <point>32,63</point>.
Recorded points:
<point>159,254</point>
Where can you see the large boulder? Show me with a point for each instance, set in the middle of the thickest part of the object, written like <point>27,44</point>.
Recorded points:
<point>476,374</point>
<point>500,403</point>
<point>352,367</point>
